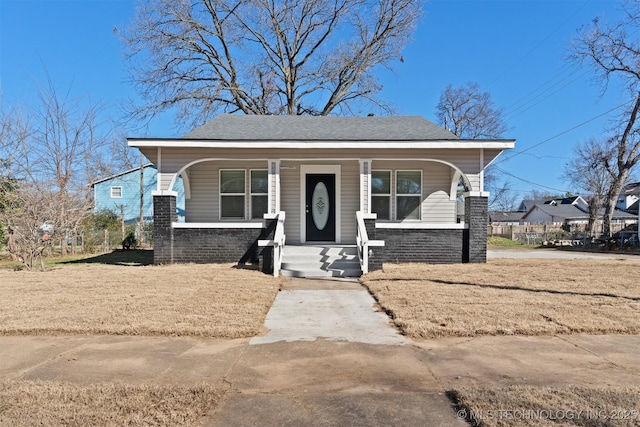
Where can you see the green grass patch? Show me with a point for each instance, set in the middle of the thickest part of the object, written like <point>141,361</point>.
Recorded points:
<point>137,257</point>
<point>503,242</point>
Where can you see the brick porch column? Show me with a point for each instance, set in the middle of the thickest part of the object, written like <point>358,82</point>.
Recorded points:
<point>164,213</point>
<point>475,215</point>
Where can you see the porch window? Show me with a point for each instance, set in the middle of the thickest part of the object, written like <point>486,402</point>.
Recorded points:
<point>232,194</point>
<point>116,192</point>
<point>408,194</point>
<point>259,196</point>
<point>381,194</point>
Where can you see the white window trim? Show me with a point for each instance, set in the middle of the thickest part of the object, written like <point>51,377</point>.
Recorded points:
<point>390,195</point>
<point>396,194</point>
<point>111,191</point>
<point>251,194</point>
<point>221,195</point>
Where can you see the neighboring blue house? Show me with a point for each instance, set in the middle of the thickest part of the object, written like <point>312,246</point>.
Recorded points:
<point>122,191</point>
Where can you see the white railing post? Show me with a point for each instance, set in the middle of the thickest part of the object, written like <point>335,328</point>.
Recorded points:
<point>277,243</point>
<point>363,242</point>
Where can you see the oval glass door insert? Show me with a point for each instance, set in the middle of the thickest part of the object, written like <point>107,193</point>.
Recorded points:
<point>320,206</point>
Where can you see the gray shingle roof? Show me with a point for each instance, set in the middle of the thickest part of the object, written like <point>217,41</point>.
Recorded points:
<point>561,211</point>
<point>567,211</point>
<point>505,216</point>
<point>314,128</point>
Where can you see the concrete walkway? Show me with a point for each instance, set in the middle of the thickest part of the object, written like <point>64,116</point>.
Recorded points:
<point>332,380</point>
<point>335,310</point>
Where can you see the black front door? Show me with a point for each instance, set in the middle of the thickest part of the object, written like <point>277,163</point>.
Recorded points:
<point>320,207</point>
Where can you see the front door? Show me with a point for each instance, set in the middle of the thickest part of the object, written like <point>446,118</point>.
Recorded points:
<point>320,207</point>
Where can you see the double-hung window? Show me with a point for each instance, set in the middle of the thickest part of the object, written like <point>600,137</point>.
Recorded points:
<point>116,192</point>
<point>381,194</point>
<point>408,194</point>
<point>259,196</point>
<point>232,194</point>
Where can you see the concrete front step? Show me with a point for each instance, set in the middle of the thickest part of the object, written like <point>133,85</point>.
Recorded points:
<point>320,261</point>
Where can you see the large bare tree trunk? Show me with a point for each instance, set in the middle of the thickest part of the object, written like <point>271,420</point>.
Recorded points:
<point>611,201</point>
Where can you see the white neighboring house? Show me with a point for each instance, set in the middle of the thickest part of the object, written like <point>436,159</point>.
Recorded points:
<point>629,195</point>
<point>571,216</point>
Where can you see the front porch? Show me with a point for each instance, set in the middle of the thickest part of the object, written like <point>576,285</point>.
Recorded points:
<point>265,243</point>
<point>389,186</point>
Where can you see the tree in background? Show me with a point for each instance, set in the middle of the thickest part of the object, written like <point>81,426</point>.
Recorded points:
<point>614,53</point>
<point>471,114</point>
<point>587,172</point>
<point>8,185</point>
<point>52,151</point>
<point>314,57</point>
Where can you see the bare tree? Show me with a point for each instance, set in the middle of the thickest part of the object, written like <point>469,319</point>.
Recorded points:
<point>503,198</point>
<point>52,151</point>
<point>28,218</point>
<point>470,113</point>
<point>203,57</point>
<point>587,172</point>
<point>614,52</point>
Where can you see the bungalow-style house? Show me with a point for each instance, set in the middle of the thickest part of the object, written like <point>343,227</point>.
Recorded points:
<point>258,187</point>
<point>120,193</point>
<point>571,213</point>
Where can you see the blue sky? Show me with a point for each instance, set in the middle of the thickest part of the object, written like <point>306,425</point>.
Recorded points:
<point>515,49</point>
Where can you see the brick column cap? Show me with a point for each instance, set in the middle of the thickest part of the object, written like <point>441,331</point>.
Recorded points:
<point>164,193</point>
<point>476,194</point>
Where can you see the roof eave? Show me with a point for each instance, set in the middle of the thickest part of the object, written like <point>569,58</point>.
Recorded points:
<point>503,144</point>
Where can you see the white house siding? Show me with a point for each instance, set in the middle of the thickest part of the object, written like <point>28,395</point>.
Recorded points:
<point>437,206</point>
<point>468,160</point>
<point>203,204</point>
<point>290,199</point>
<point>350,200</point>
<point>204,178</point>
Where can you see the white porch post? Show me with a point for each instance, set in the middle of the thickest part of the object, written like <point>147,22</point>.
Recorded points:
<point>274,186</point>
<point>365,186</point>
<point>482,165</point>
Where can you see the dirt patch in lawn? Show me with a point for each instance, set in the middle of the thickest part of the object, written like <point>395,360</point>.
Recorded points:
<point>521,406</point>
<point>28,403</point>
<point>201,300</point>
<point>510,296</point>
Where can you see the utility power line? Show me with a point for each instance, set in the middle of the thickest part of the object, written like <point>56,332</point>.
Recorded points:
<point>529,182</point>
<point>517,153</point>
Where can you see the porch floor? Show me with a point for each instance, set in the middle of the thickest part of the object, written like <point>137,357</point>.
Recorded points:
<point>320,261</point>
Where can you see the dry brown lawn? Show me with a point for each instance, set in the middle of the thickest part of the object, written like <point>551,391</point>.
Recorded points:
<point>201,300</point>
<point>510,296</point>
<point>29,403</point>
<point>521,406</point>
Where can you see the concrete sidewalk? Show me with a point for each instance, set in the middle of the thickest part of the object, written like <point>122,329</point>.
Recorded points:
<point>328,381</point>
